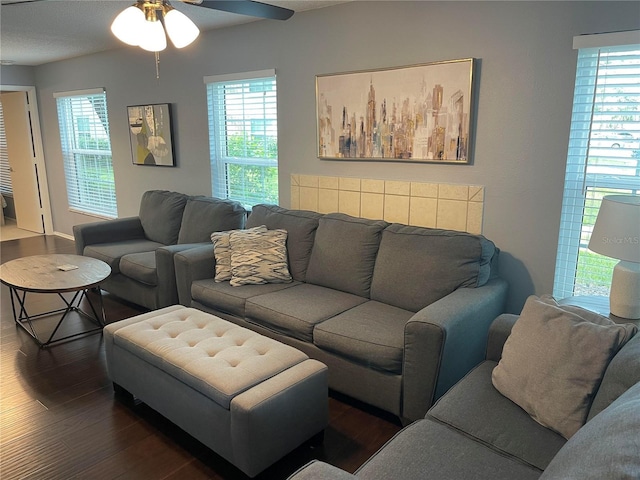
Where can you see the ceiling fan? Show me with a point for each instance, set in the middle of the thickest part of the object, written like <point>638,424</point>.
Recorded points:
<point>148,23</point>
<point>242,7</point>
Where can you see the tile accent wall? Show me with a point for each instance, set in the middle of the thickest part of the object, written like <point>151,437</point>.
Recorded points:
<point>435,205</point>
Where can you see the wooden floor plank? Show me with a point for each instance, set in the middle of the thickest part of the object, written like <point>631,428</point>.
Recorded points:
<point>59,418</point>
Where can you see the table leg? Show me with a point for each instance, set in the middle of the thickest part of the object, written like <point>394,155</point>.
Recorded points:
<point>23,317</point>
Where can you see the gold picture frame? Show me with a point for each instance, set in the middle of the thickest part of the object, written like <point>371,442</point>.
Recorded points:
<point>417,113</point>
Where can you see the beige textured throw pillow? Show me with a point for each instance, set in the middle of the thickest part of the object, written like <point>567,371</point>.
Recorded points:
<point>259,257</point>
<point>222,251</point>
<point>553,361</point>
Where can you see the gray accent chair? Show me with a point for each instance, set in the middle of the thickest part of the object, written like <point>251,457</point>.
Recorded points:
<point>398,313</point>
<point>473,432</point>
<point>140,249</point>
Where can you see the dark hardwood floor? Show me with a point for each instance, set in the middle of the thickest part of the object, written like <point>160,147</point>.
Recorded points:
<point>59,418</point>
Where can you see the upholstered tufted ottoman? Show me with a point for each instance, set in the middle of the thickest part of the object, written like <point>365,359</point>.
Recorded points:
<point>249,398</point>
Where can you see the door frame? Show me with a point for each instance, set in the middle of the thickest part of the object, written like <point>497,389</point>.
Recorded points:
<point>43,184</point>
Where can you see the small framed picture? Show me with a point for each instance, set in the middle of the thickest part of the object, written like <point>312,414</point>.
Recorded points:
<point>151,135</point>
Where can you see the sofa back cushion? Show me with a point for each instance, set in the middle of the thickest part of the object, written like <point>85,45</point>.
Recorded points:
<point>344,253</point>
<point>301,227</point>
<point>417,266</point>
<point>606,447</point>
<point>623,372</point>
<point>204,215</point>
<point>161,215</point>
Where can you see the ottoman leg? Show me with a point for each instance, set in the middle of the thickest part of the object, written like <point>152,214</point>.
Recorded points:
<point>122,394</point>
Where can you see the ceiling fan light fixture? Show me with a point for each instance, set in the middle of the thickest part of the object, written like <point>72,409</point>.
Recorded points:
<point>180,29</point>
<point>152,36</point>
<point>127,25</point>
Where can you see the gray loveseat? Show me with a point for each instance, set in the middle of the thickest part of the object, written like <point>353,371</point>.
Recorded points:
<point>140,249</point>
<point>398,313</point>
<point>473,432</point>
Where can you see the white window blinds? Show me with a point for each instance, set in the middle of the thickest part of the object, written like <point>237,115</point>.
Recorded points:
<point>603,158</point>
<point>5,168</point>
<point>86,150</point>
<point>243,137</point>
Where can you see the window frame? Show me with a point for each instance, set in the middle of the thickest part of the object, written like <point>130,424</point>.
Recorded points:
<point>88,171</point>
<point>219,123</point>
<point>595,168</point>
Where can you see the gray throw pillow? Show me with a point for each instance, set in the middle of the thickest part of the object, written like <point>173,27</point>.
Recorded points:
<point>554,360</point>
<point>259,257</point>
<point>222,251</point>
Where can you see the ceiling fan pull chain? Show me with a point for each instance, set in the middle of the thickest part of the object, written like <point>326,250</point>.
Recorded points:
<point>158,66</point>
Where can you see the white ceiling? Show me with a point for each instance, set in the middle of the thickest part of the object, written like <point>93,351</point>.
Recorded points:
<point>45,31</point>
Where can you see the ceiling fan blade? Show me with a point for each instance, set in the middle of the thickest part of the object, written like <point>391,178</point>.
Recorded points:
<point>17,2</point>
<point>245,7</point>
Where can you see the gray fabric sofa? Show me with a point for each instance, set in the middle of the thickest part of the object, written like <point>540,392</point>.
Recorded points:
<point>399,314</point>
<point>140,249</point>
<point>473,432</point>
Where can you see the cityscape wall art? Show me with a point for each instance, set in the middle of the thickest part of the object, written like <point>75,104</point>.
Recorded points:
<point>417,113</point>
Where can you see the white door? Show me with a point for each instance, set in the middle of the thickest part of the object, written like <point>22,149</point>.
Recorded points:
<point>22,159</point>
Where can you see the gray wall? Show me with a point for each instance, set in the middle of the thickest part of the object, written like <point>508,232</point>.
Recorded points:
<point>524,95</point>
<point>17,75</point>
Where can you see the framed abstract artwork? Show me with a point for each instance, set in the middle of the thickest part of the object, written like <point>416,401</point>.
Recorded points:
<point>151,135</point>
<point>418,113</point>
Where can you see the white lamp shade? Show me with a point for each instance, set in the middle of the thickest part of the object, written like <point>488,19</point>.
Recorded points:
<point>127,25</point>
<point>616,232</point>
<point>153,38</point>
<point>181,30</point>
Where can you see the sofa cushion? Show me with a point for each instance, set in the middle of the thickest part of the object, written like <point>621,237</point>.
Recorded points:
<point>301,227</point>
<point>225,298</point>
<point>203,215</point>
<point>475,407</point>
<point>623,372</point>
<point>259,257</point>
<point>607,446</point>
<point>140,267</point>
<point>344,253</point>
<point>222,251</point>
<point>432,451</point>
<point>297,310</point>
<point>553,362</point>
<point>111,253</point>
<point>161,215</point>
<point>417,266</point>
<point>371,334</point>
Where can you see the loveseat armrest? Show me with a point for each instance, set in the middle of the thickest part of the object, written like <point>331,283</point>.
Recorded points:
<point>191,265</point>
<point>116,230</point>
<point>499,331</point>
<point>444,341</point>
<point>167,293</point>
<point>317,470</point>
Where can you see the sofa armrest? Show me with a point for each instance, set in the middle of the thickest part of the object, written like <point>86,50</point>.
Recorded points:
<point>191,265</point>
<point>317,470</point>
<point>167,293</point>
<point>444,341</point>
<point>499,331</point>
<point>116,230</point>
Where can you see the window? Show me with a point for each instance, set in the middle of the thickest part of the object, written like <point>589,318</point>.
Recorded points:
<point>5,168</point>
<point>603,157</point>
<point>243,137</point>
<point>86,151</point>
